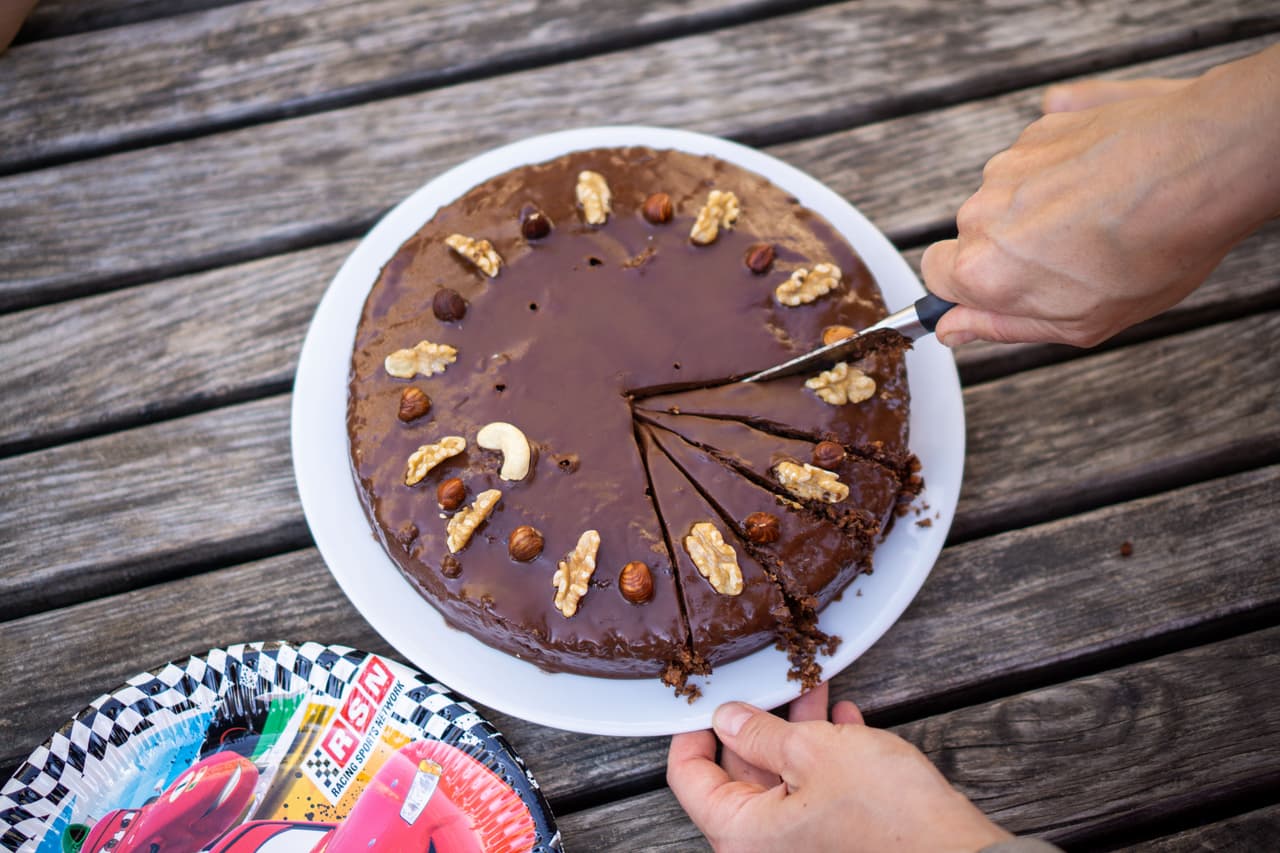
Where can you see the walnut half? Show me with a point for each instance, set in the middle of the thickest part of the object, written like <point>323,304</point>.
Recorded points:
<point>425,358</point>
<point>720,211</point>
<point>464,523</point>
<point>842,384</point>
<point>428,456</point>
<point>574,573</point>
<point>805,286</point>
<point>715,558</point>
<point>479,252</point>
<point>809,482</point>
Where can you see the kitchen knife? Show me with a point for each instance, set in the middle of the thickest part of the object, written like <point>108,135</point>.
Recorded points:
<point>913,322</point>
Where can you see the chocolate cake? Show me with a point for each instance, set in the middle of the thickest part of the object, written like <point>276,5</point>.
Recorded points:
<point>545,434</point>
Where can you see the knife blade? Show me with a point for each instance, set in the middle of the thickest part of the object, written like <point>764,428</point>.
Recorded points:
<point>913,322</point>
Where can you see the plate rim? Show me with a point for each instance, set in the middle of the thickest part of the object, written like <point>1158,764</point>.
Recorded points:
<point>319,486</point>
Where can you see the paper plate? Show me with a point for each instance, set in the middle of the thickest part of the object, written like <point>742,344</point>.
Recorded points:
<point>576,702</point>
<point>276,747</point>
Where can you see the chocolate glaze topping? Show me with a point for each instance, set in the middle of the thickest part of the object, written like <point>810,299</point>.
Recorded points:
<point>583,326</point>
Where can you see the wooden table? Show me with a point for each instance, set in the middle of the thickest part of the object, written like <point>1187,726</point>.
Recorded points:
<point>179,181</point>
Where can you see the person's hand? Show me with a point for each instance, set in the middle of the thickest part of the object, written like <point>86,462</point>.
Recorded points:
<point>1113,206</point>
<point>815,785</point>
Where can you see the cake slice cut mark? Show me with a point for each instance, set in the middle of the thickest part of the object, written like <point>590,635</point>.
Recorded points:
<point>876,427</point>
<point>691,663</point>
<point>874,488</point>
<point>797,632</point>
<point>902,465</point>
<point>814,558</point>
<point>723,627</point>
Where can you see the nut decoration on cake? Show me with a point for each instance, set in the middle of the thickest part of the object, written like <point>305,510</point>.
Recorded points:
<point>560,464</point>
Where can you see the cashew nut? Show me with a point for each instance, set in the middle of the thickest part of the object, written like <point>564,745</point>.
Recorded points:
<point>513,445</point>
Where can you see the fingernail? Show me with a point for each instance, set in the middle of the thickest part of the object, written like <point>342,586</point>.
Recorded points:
<point>956,339</point>
<point>729,718</point>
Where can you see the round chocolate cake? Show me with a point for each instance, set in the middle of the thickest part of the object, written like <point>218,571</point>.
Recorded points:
<point>547,440</point>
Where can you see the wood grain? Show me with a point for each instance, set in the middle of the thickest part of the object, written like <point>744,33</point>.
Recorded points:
<point>251,317</point>
<point>1071,760</point>
<point>1043,597</point>
<point>261,60</point>
<point>1118,424</point>
<point>123,510</point>
<point>1255,830</point>
<point>145,353</point>
<point>151,213</point>
<point>56,18</point>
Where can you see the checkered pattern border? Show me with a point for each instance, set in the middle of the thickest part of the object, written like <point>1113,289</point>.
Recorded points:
<point>69,761</point>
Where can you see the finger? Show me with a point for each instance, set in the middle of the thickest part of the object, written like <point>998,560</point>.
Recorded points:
<point>846,713</point>
<point>741,770</point>
<point>691,766</point>
<point>766,741</point>
<point>1087,94</point>
<point>702,787</point>
<point>811,705</point>
<point>961,325</point>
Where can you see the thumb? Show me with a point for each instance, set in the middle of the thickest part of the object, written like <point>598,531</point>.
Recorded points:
<point>787,749</point>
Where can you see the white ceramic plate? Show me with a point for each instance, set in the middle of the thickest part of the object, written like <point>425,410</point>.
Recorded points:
<point>580,703</point>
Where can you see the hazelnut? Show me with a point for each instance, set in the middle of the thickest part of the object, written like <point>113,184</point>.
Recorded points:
<point>448,305</point>
<point>414,403</point>
<point>636,582</point>
<point>762,528</point>
<point>535,225</point>
<point>831,334</point>
<point>451,493</point>
<point>450,567</point>
<point>524,543</point>
<point>828,454</point>
<point>657,208</point>
<point>759,258</point>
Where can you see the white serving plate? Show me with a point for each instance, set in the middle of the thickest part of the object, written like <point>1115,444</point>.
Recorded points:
<point>575,702</point>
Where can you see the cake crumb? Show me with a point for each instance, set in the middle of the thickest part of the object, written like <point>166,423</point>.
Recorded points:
<point>925,522</point>
<point>1126,549</point>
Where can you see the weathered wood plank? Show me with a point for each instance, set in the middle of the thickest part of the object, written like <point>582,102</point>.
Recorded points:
<point>1044,597</point>
<point>1104,428</point>
<point>146,352</point>
<point>55,18</point>
<point>251,317</point>
<point>1074,759</point>
<point>146,214</point>
<point>1255,830</point>
<point>203,487</point>
<point>269,58</point>
<point>131,506</point>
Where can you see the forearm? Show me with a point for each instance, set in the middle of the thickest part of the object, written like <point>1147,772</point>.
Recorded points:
<point>1237,136</point>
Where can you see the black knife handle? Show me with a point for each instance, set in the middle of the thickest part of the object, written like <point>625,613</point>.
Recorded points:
<point>930,308</point>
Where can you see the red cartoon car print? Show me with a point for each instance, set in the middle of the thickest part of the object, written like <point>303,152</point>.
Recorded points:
<point>201,804</point>
<point>428,796</point>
